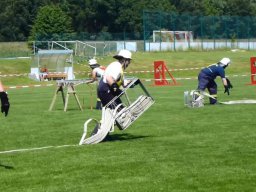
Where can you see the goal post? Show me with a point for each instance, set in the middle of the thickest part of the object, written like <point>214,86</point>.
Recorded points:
<point>172,36</point>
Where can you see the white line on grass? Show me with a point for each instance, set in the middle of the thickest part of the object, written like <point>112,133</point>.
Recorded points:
<point>36,149</point>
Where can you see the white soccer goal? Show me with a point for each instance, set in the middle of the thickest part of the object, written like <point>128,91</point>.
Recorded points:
<point>84,49</point>
<point>172,36</point>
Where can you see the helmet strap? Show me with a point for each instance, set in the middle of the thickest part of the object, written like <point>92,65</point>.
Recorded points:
<point>94,66</point>
<point>125,62</point>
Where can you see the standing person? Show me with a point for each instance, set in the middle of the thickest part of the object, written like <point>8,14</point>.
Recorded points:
<point>5,105</point>
<point>207,76</point>
<point>44,73</point>
<point>113,78</point>
<point>97,73</point>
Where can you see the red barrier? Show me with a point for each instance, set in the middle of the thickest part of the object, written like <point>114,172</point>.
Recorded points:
<point>253,70</point>
<point>160,70</point>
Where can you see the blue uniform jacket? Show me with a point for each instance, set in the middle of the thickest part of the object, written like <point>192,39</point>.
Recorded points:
<point>213,71</point>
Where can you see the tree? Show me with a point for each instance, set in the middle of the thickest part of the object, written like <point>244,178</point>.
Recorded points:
<point>240,8</point>
<point>16,18</point>
<point>131,13</point>
<point>20,19</point>
<point>51,23</point>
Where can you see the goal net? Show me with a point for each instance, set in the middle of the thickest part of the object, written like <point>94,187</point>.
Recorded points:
<point>172,36</point>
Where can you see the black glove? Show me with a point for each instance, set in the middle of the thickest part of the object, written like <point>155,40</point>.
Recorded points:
<point>115,89</point>
<point>5,103</point>
<point>226,89</point>
<point>230,86</point>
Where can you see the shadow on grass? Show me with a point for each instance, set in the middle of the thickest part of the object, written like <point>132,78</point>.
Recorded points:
<point>121,137</point>
<point>6,166</point>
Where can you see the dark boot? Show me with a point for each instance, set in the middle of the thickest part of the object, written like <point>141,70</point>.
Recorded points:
<point>213,101</point>
<point>98,105</point>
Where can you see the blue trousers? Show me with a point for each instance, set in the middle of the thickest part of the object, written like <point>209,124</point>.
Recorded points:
<point>106,95</point>
<point>206,82</point>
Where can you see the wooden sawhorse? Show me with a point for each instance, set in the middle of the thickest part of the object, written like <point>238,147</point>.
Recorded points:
<point>70,90</point>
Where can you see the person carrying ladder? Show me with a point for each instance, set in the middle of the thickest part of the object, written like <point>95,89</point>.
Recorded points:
<point>113,78</point>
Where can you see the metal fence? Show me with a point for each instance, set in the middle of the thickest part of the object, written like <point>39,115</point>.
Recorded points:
<point>209,32</point>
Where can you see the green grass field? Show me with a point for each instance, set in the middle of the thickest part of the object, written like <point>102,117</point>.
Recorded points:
<point>169,148</point>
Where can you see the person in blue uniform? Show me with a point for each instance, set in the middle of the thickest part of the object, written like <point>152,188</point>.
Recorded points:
<point>207,76</point>
<point>5,105</point>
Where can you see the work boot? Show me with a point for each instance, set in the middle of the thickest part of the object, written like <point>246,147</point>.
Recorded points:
<point>98,105</point>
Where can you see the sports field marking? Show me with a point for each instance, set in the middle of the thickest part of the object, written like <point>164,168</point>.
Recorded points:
<point>148,80</point>
<point>130,72</point>
<point>36,149</point>
<point>27,86</point>
<point>246,101</point>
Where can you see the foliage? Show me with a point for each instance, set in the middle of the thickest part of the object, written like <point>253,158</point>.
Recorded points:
<point>18,17</point>
<point>51,23</point>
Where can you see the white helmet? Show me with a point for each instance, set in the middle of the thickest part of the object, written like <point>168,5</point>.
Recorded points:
<point>123,54</point>
<point>224,62</point>
<point>92,62</point>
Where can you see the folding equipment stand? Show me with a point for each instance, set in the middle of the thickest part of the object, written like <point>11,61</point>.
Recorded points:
<point>70,85</point>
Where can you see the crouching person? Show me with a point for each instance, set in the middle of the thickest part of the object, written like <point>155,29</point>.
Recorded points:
<point>207,76</point>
